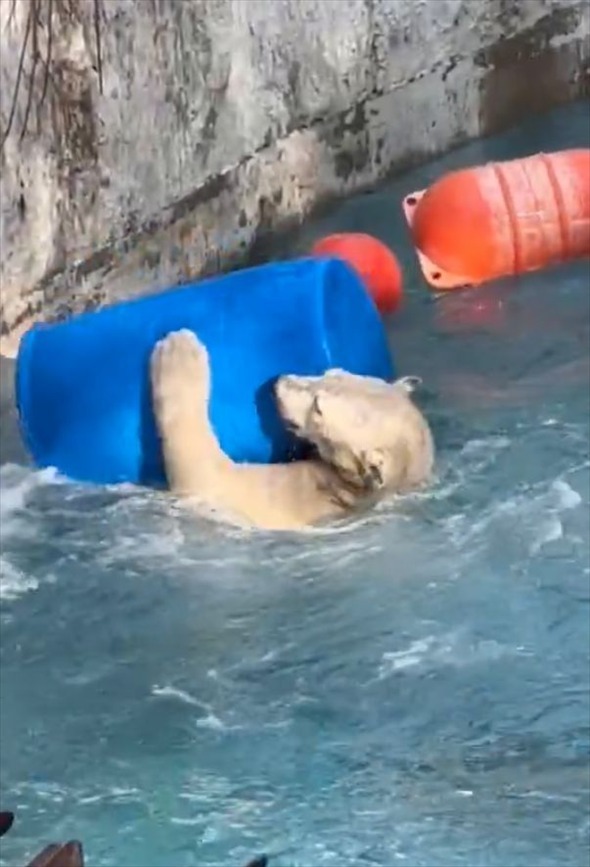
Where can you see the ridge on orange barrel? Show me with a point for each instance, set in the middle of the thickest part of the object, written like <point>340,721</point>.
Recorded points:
<point>373,261</point>
<point>477,224</point>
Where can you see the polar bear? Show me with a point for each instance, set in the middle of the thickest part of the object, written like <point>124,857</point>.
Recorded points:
<point>369,437</point>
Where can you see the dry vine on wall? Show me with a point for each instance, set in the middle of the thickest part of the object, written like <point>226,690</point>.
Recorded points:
<point>38,78</point>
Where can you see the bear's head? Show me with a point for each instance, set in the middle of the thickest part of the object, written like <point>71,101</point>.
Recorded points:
<point>370,431</point>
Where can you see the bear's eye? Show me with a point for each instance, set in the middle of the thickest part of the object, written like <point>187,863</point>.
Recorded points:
<point>316,408</point>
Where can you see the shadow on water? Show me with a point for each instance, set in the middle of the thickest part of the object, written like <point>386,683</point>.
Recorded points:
<point>412,688</point>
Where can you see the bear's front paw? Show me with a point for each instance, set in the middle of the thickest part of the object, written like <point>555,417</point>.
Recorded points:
<point>179,370</point>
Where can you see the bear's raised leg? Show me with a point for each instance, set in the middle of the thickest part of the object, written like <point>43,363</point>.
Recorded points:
<point>180,380</point>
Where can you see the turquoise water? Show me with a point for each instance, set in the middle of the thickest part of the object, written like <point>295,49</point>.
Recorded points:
<point>411,690</point>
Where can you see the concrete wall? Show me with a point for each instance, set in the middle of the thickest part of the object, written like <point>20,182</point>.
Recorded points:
<point>156,140</point>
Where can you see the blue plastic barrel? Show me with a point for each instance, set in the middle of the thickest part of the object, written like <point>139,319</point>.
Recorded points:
<point>82,385</point>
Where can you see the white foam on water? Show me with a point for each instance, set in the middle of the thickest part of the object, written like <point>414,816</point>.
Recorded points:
<point>566,496</point>
<point>535,513</point>
<point>455,649</point>
<point>549,529</point>
<point>13,582</point>
<point>213,723</point>
<point>17,486</point>
<point>209,721</point>
<point>181,695</point>
<point>476,456</point>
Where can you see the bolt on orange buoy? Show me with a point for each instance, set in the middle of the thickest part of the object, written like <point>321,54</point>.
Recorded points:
<point>491,221</point>
<point>374,262</point>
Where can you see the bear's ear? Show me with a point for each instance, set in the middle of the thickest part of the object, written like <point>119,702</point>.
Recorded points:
<point>408,383</point>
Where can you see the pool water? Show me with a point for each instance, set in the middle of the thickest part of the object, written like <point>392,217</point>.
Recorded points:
<point>412,689</point>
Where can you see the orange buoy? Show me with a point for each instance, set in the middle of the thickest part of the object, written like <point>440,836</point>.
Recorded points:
<point>373,261</point>
<point>477,224</point>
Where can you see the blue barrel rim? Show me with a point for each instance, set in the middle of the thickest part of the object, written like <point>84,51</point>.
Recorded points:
<point>333,265</point>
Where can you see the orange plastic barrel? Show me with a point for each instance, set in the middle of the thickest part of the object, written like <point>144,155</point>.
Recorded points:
<point>481,223</point>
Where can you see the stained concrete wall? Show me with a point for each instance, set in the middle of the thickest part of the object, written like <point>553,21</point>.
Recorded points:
<point>157,140</point>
